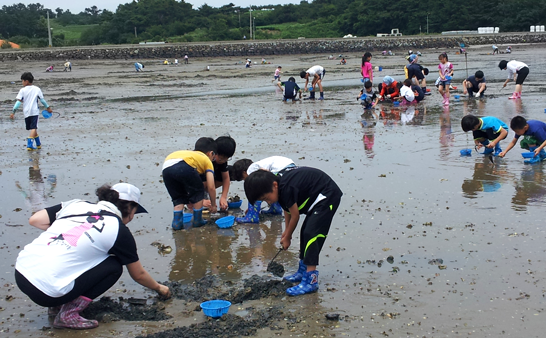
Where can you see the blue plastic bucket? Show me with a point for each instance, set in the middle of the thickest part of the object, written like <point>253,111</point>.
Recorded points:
<point>225,222</point>
<point>380,68</point>
<point>215,308</point>
<point>235,205</point>
<point>529,154</point>
<point>466,152</point>
<point>46,114</point>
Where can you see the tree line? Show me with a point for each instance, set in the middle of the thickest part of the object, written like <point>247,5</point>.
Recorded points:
<point>172,20</point>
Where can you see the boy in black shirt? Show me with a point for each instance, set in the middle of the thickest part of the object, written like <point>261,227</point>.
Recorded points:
<point>306,191</point>
<point>290,90</point>
<point>225,149</point>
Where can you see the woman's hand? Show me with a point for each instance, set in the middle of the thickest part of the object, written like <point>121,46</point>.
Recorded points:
<point>164,291</point>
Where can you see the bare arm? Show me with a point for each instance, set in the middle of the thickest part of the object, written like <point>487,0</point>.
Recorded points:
<point>211,188</point>
<point>290,226</point>
<point>225,190</point>
<point>539,148</point>
<point>510,146</point>
<point>142,277</point>
<point>40,220</point>
<point>502,135</point>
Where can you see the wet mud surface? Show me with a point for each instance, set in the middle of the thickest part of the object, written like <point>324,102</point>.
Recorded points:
<point>212,287</point>
<point>106,310</point>
<point>226,327</point>
<point>276,269</point>
<point>424,243</point>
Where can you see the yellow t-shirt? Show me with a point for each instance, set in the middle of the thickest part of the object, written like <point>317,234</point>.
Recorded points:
<point>195,159</point>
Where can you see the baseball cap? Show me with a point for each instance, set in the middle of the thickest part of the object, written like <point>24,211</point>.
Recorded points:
<point>129,192</point>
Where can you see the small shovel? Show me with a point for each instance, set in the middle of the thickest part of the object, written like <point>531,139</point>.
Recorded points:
<point>276,268</point>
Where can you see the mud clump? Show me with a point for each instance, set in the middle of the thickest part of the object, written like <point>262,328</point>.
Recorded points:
<point>226,327</point>
<point>108,310</point>
<point>212,287</point>
<point>276,269</point>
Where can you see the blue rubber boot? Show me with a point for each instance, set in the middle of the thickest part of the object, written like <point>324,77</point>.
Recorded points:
<point>321,96</point>
<point>252,214</point>
<point>38,143</point>
<point>311,95</point>
<point>542,154</point>
<point>178,220</point>
<point>198,220</point>
<point>498,150</point>
<point>298,275</point>
<point>274,209</point>
<point>486,151</point>
<point>309,284</point>
<point>30,144</point>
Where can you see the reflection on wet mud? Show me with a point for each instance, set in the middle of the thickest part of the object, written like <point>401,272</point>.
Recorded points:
<point>486,178</point>
<point>530,188</point>
<point>368,121</point>
<point>38,190</point>
<point>446,134</point>
<point>230,253</point>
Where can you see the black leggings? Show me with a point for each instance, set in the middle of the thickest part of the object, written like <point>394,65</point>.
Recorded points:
<point>522,74</point>
<point>90,284</point>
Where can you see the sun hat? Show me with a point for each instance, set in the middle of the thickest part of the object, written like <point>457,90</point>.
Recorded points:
<point>129,192</point>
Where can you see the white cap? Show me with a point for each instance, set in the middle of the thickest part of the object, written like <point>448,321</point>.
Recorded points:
<point>129,192</point>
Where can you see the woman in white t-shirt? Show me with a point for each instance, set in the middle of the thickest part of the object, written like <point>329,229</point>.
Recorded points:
<point>81,254</point>
<point>518,71</point>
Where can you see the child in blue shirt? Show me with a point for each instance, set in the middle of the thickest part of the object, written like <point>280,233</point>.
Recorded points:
<point>534,137</point>
<point>487,131</point>
<point>367,96</point>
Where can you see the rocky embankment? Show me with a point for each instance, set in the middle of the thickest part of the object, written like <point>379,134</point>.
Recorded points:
<point>267,47</point>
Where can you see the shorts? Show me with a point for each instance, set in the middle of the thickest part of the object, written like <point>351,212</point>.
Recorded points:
<point>487,134</point>
<point>445,84</point>
<point>475,88</point>
<point>321,75</point>
<point>31,122</point>
<point>316,226</point>
<point>183,184</point>
<point>277,77</point>
<point>522,74</point>
<point>527,141</point>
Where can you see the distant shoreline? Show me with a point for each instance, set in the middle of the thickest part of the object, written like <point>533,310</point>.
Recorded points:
<point>259,48</point>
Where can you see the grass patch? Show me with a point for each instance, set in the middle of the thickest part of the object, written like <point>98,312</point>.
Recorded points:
<point>71,32</point>
<point>294,30</point>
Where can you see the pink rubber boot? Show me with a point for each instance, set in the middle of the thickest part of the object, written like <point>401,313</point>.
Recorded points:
<point>69,316</point>
<point>514,96</point>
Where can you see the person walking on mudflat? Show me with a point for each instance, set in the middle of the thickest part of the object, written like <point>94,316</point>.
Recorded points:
<point>29,96</point>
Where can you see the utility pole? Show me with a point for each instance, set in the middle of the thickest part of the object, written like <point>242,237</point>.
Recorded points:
<point>49,30</point>
<point>135,33</point>
<point>250,14</point>
<point>427,23</point>
<point>254,21</point>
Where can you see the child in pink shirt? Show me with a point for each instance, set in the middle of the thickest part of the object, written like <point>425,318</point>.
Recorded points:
<point>367,70</point>
<point>445,68</point>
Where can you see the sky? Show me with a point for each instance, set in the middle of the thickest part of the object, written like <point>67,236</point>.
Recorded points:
<point>78,6</point>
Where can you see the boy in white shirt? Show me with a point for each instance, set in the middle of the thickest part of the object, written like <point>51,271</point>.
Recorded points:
<point>29,96</point>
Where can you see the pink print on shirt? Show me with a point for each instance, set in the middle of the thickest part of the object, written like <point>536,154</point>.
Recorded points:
<point>74,234</point>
